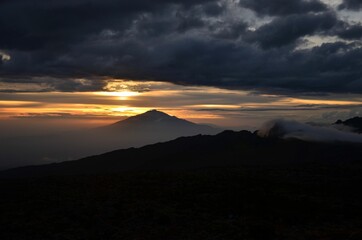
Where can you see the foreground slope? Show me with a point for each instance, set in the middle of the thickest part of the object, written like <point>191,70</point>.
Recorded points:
<point>231,186</point>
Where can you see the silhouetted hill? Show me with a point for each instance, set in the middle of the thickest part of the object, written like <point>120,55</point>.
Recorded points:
<point>234,185</point>
<point>355,123</point>
<point>226,149</point>
<point>152,117</point>
<point>159,123</point>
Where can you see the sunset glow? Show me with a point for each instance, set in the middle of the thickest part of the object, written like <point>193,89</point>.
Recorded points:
<point>123,95</point>
<point>200,104</point>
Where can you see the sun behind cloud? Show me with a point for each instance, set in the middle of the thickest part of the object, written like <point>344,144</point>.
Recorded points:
<point>123,95</point>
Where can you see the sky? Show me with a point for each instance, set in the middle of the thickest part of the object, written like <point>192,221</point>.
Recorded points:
<point>83,63</point>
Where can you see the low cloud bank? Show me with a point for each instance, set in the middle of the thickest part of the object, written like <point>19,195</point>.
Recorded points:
<point>287,129</point>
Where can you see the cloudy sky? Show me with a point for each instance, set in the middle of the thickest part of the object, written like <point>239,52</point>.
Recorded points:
<point>234,63</point>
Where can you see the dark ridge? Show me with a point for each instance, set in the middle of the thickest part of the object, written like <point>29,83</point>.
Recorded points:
<point>227,149</point>
<point>355,123</point>
<point>233,185</point>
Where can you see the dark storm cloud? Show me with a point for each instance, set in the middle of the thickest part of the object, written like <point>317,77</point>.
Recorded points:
<point>34,24</point>
<point>45,84</point>
<point>350,32</point>
<point>354,5</point>
<point>229,31</point>
<point>76,45</point>
<point>286,30</point>
<point>214,9</point>
<point>283,7</point>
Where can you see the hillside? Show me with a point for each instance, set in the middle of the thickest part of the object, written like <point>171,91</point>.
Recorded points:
<point>256,202</point>
<point>234,185</point>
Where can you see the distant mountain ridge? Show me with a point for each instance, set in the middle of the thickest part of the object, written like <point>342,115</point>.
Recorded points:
<point>157,120</point>
<point>152,116</point>
<point>355,123</point>
<point>146,128</point>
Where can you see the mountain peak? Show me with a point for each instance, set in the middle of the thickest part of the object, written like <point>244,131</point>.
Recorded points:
<point>154,112</point>
<point>157,121</point>
<point>153,115</point>
<point>150,117</point>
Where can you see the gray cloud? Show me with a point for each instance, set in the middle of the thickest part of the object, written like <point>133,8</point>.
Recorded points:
<point>286,30</point>
<point>283,7</point>
<point>354,5</point>
<point>349,32</point>
<point>296,130</point>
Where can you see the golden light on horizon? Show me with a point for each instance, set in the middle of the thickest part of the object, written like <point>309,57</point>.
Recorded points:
<point>129,111</point>
<point>16,103</point>
<point>121,99</point>
<point>322,102</point>
<point>211,106</point>
<point>123,95</point>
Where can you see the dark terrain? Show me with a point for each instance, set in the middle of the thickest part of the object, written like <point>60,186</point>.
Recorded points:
<point>226,149</point>
<point>234,185</point>
<point>354,123</point>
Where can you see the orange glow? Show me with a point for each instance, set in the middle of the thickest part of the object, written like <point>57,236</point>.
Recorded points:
<point>322,102</point>
<point>15,103</point>
<point>123,95</point>
<point>128,111</point>
<point>120,99</point>
<point>219,106</point>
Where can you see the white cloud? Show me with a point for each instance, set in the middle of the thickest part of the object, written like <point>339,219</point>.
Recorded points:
<point>5,57</point>
<point>295,130</point>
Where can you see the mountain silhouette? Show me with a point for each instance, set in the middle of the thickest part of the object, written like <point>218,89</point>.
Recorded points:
<point>147,128</point>
<point>226,149</point>
<point>159,123</point>
<point>152,116</point>
<point>355,123</point>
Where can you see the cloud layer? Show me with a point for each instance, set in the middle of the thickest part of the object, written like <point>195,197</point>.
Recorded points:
<point>283,7</point>
<point>296,130</point>
<point>254,45</point>
<point>354,5</point>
